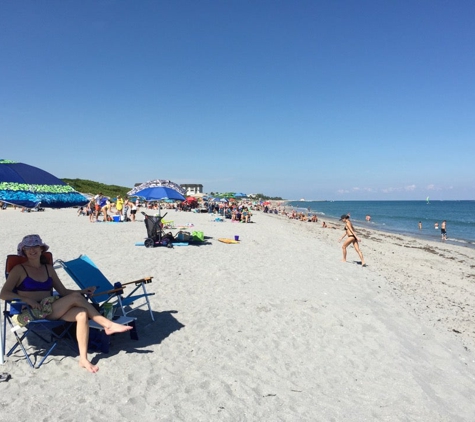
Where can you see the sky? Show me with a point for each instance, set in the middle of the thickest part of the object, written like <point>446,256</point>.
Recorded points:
<point>322,100</point>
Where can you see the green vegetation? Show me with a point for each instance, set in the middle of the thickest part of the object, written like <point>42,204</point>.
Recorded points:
<point>256,196</point>
<point>263,197</point>
<point>88,186</point>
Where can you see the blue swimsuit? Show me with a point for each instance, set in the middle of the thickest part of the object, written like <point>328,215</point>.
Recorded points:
<point>30,285</point>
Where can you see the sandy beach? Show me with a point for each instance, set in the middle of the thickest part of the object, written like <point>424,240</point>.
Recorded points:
<point>275,328</point>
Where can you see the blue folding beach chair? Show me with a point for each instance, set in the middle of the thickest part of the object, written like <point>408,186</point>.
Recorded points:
<point>50,332</point>
<point>85,273</point>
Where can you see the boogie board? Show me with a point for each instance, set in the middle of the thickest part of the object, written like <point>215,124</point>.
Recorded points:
<point>224,240</point>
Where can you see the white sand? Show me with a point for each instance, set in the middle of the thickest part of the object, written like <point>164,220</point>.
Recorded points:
<point>276,328</point>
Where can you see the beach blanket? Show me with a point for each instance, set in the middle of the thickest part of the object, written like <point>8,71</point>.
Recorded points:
<point>30,314</point>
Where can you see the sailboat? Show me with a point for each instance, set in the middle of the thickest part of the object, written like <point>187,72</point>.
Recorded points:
<point>427,201</point>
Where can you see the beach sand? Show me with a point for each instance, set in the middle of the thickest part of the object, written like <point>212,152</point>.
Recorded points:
<point>275,328</point>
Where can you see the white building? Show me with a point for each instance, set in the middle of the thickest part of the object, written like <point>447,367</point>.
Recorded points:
<point>192,189</point>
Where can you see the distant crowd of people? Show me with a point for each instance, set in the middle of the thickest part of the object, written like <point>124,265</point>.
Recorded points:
<point>235,212</point>
<point>101,208</point>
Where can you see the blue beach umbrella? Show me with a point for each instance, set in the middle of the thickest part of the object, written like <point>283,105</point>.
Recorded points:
<point>157,193</point>
<point>28,186</point>
<point>157,183</point>
<point>217,199</point>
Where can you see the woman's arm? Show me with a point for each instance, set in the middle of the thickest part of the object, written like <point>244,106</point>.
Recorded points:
<point>349,226</point>
<point>12,281</point>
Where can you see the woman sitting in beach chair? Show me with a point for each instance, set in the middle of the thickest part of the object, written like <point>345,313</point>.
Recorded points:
<point>33,282</point>
<point>246,215</point>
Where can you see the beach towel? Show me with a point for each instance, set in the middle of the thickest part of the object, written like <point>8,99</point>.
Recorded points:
<point>30,314</point>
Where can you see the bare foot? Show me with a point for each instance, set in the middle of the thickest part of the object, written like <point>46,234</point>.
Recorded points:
<point>84,363</point>
<point>116,328</point>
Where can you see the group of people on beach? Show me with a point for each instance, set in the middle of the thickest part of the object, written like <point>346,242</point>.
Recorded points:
<point>237,213</point>
<point>443,228</point>
<point>102,206</point>
<point>301,216</point>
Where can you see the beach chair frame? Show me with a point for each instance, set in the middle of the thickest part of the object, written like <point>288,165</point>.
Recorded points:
<point>84,272</point>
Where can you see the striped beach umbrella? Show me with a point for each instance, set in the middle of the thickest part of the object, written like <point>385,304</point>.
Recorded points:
<point>28,186</point>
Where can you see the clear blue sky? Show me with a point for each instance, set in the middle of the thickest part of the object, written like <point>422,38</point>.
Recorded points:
<point>316,99</point>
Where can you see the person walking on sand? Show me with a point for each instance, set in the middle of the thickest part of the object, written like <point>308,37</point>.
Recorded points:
<point>97,205</point>
<point>352,239</point>
<point>443,230</point>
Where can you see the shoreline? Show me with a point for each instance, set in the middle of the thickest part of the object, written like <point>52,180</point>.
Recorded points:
<point>422,264</point>
<point>380,228</point>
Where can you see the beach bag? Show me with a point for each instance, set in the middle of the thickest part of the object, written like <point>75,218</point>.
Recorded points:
<point>166,242</point>
<point>183,236</point>
<point>198,236</point>
<point>99,341</point>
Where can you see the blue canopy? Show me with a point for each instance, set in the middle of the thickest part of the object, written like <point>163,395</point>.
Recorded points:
<point>158,193</point>
<point>29,186</point>
<point>217,199</point>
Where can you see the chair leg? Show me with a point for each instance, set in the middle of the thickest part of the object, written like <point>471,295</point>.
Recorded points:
<point>148,302</point>
<point>20,338</point>
<point>19,342</point>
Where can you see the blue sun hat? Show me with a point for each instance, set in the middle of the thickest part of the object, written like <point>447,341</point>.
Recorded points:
<point>29,241</point>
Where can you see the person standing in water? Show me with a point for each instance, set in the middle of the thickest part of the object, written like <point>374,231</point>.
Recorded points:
<point>443,230</point>
<point>352,239</point>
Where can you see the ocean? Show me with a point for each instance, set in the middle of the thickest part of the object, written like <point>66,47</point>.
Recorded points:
<point>403,216</point>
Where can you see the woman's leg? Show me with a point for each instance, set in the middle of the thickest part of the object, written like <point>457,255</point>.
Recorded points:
<point>345,245</point>
<point>357,248</point>
<point>79,315</point>
<point>76,300</point>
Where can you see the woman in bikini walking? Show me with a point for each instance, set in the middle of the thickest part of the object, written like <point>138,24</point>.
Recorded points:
<point>352,239</point>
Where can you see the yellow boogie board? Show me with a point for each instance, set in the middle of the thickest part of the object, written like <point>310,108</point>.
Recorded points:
<point>224,240</point>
